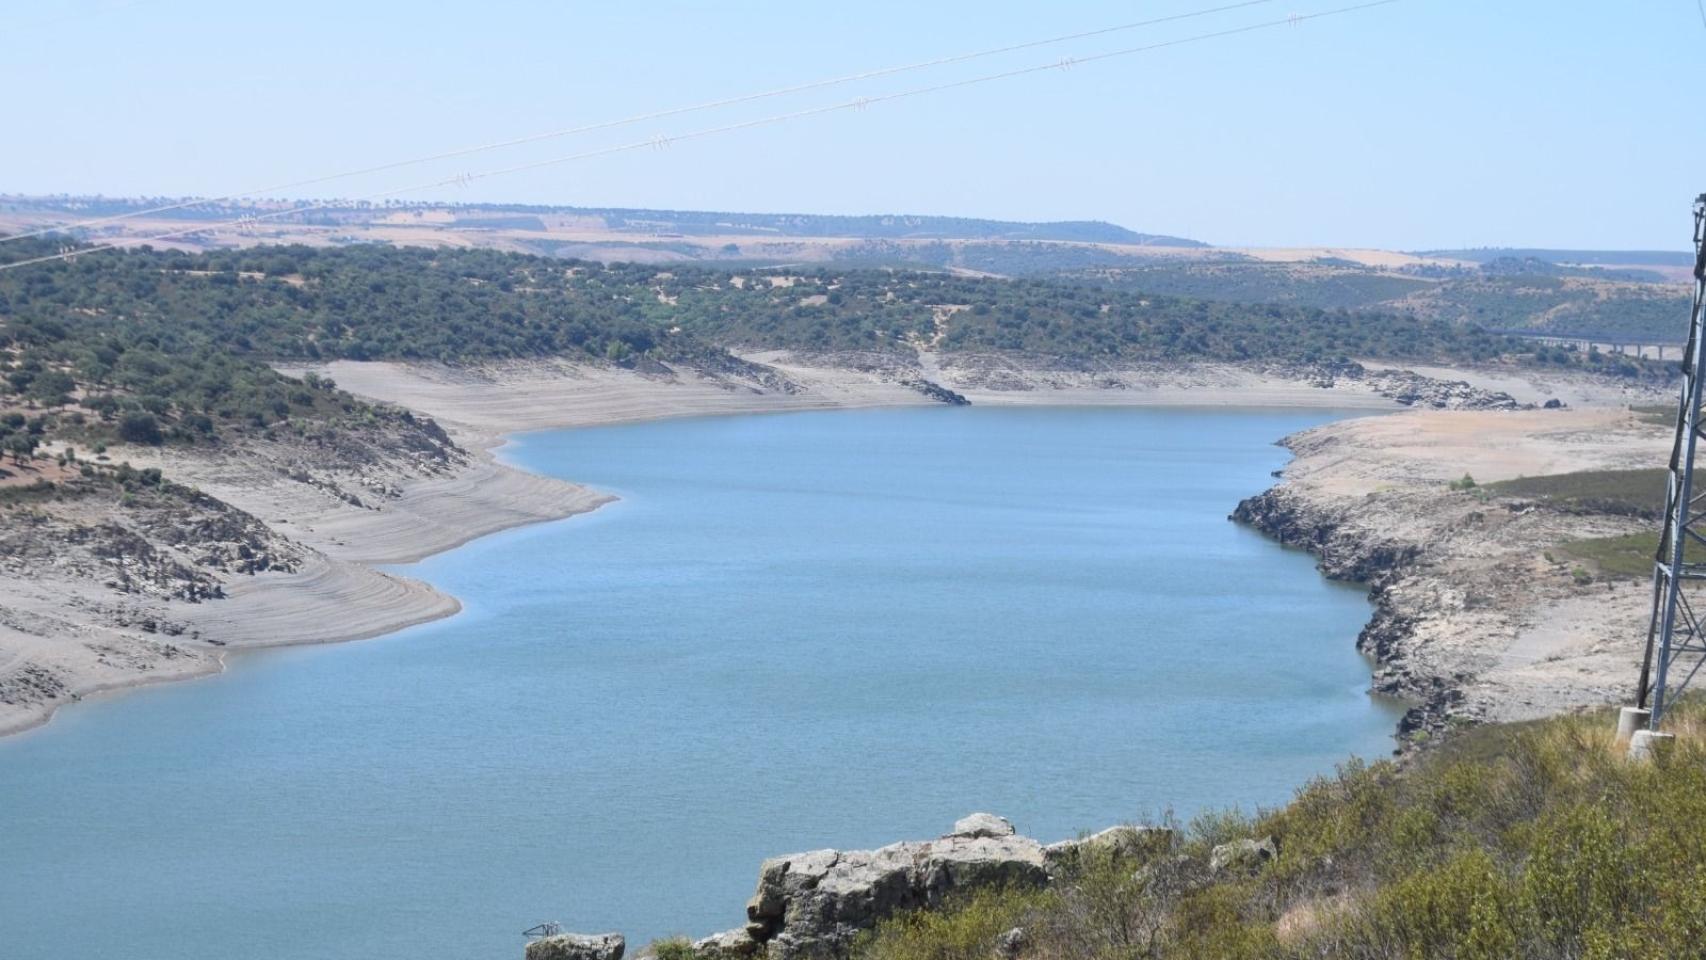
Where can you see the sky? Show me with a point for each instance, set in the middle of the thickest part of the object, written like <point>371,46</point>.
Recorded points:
<point>1419,124</point>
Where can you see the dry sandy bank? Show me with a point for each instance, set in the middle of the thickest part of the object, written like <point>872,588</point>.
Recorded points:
<point>62,636</point>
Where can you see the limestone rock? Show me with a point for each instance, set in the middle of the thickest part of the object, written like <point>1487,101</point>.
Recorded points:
<point>728,945</point>
<point>1122,842</point>
<point>1242,854</point>
<point>578,946</point>
<point>982,825</point>
<point>811,906</point>
<point>1009,945</point>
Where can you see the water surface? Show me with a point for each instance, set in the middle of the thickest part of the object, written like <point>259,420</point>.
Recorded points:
<point>799,631</point>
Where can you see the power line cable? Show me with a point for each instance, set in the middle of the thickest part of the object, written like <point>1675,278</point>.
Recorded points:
<point>641,118</point>
<point>858,103</point>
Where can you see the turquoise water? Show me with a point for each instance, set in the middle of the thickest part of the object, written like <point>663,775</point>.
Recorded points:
<point>799,631</point>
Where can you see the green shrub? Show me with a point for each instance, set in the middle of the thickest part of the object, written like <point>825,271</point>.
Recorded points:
<point>1464,909</point>
<point>672,948</point>
<point>140,428</point>
<point>965,929</point>
<point>1533,840</point>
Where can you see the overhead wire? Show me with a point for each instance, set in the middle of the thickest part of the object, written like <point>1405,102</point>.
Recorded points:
<point>639,118</point>
<point>858,103</point>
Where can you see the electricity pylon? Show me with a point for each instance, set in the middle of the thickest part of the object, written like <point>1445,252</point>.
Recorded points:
<point>1676,638</point>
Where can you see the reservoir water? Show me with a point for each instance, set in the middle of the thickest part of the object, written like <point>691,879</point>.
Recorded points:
<point>793,632</point>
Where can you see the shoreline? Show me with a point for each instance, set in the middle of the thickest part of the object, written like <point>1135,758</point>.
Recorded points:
<point>485,410</point>
<point>1475,618</point>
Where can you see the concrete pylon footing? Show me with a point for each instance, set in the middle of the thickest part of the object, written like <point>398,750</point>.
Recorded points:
<point>1646,744</point>
<point>1631,719</point>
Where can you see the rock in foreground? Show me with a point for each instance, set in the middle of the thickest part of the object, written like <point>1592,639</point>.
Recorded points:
<point>812,905</point>
<point>578,946</point>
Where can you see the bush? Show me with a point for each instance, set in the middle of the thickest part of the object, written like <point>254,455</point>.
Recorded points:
<point>965,930</point>
<point>673,948</point>
<point>139,427</point>
<point>1533,840</point>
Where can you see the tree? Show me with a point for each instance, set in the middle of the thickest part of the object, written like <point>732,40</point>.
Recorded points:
<point>104,404</point>
<point>140,427</point>
<point>22,446</point>
<point>52,388</point>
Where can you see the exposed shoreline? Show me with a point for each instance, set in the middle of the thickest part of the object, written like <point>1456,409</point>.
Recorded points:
<point>338,595</point>
<point>1476,618</point>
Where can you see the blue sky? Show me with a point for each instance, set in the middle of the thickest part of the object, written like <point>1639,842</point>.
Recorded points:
<point>1426,123</point>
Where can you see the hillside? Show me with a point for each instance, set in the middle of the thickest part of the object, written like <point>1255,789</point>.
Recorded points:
<point>1599,258</point>
<point>1610,306</point>
<point>1529,840</point>
<point>1610,297</point>
<point>168,346</point>
<point>299,302</point>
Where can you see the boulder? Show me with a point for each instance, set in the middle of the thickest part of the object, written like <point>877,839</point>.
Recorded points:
<point>1121,843</point>
<point>578,946</point>
<point>1009,945</point>
<point>811,906</point>
<point>728,945</point>
<point>1242,854</point>
<point>982,825</point>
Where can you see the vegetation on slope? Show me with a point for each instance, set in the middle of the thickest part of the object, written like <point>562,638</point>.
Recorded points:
<point>1628,493</point>
<point>1529,296</point>
<point>106,353</point>
<point>1634,494</point>
<point>150,346</point>
<point>1533,840</point>
<point>379,302</point>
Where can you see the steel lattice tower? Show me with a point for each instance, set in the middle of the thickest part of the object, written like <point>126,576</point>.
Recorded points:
<point>1676,637</point>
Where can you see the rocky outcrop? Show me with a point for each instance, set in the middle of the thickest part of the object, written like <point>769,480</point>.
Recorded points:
<point>1403,386</point>
<point>1480,610</point>
<point>1344,551</point>
<point>1122,842</point>
<point>577,946</point>
<point>1341,552</point>
<point>1242,855</point>
<point>936,392</point>
<point>812,905</point>
<point>982,825</point>
<point>1010,945</point>
<point>728,945</point>
<point>1415,390</point>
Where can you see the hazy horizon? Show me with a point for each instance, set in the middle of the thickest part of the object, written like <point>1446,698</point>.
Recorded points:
<point>1417,125</point>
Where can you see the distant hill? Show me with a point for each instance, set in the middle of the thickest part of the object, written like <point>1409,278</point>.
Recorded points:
<point>489,216</point>
<point>1602,258</point>
<point>1610,296</point>
<point>874,226</point>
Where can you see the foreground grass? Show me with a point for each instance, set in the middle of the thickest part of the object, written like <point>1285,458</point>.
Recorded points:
<point>1630,493</point>
<point>1621,493</point>
<point>1615,558</point>
<point>1513,841</point>
<point>1658,414</point>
